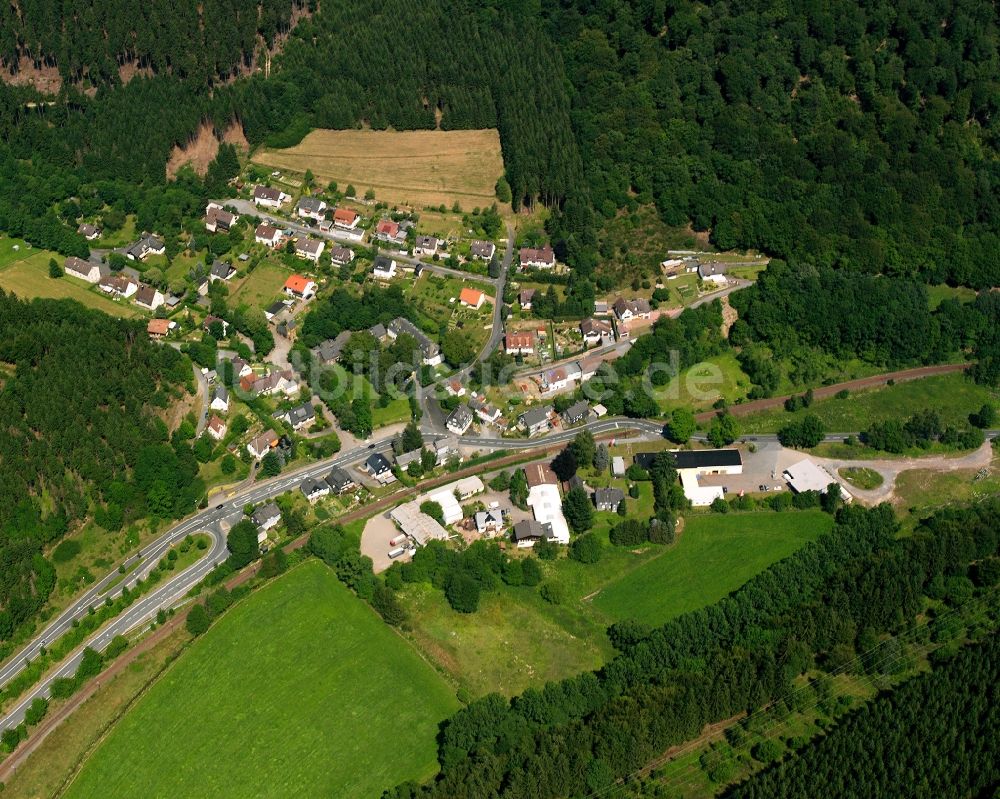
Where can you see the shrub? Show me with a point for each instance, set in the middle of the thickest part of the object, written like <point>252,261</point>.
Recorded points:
<point>63,687</point>
<point>66,551</point>
<point>90,665</point>
<point>554,593</point>
<point>513,572</point>
<point>719,505</point>
<point>386,605</point>
<point>767,751</point>
<point>626,634</point>
<point>36,710</point>
<point>462,592</point>
<point>586,549</point>
<point>629,533</point>
<point>547,550</point>
<point>120,643</point>
<point>531,572</point>
<point>197,621</point>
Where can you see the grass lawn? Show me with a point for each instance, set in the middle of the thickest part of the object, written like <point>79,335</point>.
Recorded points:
<point>26,274</point>
<point>953,396</point>
<point>937,294</point>
<point>261,287</point>
<point>701,385</point>
<point>861,477</point>
<point>922,490</point>
<point>300,690</point>
<point>714,555</point>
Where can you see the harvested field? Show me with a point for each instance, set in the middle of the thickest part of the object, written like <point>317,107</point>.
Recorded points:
<point>418,168</point>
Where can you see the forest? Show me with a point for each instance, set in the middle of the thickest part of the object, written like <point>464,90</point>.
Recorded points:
<point>82,437</point>
<point>202,41</point>
<point>821,607</point>
<point>933,737</point>
<point>855,136</point>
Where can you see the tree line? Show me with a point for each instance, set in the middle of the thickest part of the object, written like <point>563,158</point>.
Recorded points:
<point>818,607</point>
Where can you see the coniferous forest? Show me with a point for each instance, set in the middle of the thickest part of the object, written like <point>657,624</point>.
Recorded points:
<point>79,396</point>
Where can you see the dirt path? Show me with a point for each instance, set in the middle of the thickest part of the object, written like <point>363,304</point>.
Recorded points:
<point>890,469</point>
<point>824,392</point>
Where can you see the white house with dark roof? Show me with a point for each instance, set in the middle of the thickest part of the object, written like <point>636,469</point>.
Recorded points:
<point>219,219</point>
<point>426,245</point>
<point>264,518</point>
<point>144,247</point>
<point>378,466</point>
<point>459,420</point>
<point>626,310</point>
<point>608,498</point>
<point>269,197</point>
<point>148,297</point>
<point>383,268</point>
<point>311,208</point>
<point>483,250</point>
<point>268,235</point>
<point>313,489</point>
<point>535,420</point>
<point>221,270</point>
<point>85,270</point>
<point>341,256</point>
<point>89,232</point>
<point>310,249</point>
<point>220,399</point>
<point>537,258</point>
<point>340,480</point>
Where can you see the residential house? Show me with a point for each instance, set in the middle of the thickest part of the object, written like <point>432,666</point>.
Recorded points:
<point>378,331</point>
<point>268,235</point>
<point>340,480</point>
<point>608,498</point>
<point>346,218</point>
<point>341,256</point>
<point>596,332</point>
<point>379,467</point>
<point>383,268</point>
<point>148,297</point>
<point>454,388</point>
<point>89,232</point>
<point>404,459</point>
<point>212,320</point>
<point>217,219</point>
<point>216,427</point>
<point>271,383</point>
<point>310,249</point>
<point>489,522</point>
<point>389,231</point>
<point>459,420</point>
<point>525,298</point>
<point>118,285</point>
<point>330,350</point>
<point>146,246</point>
<point>85,270</point>
<point>627,310</point>
<point>240,367</point>
<point>713,272</point>
<point>430,350</point>
<point>274,309</point>
<point>445,448</point>
<point>426,245</point>
<point>264,518</point>
<point>529,531</point>
<point>269,197</point>
<point>158,328</point>
<point>471,298</point>
<point>540,258</point>
<point>483,250</point>
<point>262,444</point>
<point>535,420</point>
<point>560,378</point>
<point>298,416</point>
<point>221,270</point>
<point>220,399</point>
<point>301,287</point>
<point>311,208</point>
<point>576,413</point>
<point>201,286</point>
<point>488,414</point>
<point>519,343</point>
<point>313,489</point>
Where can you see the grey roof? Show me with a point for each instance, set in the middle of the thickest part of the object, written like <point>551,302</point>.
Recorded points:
<point>308,245</point>
<point>276,307</point>
<point>530,528</point>
<point>608,497</point>
<point>330,349</point>
<point>220,392</point>
<point>378,330</point>
<point>382,263</point>
<point>339,479</point>
<point>297,416</point>
<point>311,204</point>
<point>377,463</point>
<point>222,269</point>
<point>427,241</point>
<point>535,416</point>
<point>402,325</point>
<point>267,192</point>
<point>577,411</point>
<point>405,459</point>
<point>311,486</point>
<point>483,249</point>
<point>460,417</point>
<point>264,513</point>
<point>341,255</point>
